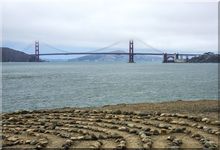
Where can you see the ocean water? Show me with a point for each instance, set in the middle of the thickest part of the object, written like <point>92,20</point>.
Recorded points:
<point>32,86</point>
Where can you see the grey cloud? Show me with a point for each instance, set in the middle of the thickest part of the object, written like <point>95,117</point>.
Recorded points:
<point>95,23</point>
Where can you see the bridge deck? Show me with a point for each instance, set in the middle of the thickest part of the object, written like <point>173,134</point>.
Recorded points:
<point>90,53</point>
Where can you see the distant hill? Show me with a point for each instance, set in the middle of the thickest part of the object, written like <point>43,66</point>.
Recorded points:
<point>11,55</point>
<point>111,58</point>
<point>208,57</point>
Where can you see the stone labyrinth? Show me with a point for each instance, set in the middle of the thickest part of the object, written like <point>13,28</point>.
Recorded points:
<point>99,129</point>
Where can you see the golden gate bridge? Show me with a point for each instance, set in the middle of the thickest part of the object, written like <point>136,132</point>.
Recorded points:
<point>167,57</point>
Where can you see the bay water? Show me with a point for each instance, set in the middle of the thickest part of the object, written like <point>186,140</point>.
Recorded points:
<point>30,86</point>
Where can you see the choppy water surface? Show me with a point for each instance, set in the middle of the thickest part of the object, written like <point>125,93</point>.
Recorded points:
<point>52,85</point>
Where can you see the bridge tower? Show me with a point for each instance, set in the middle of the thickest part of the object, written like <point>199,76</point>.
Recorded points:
<point>165,59</point>
<point>187,58</point>
<point>131,51</point>
<point>37,48</point>
<point>177,56</point>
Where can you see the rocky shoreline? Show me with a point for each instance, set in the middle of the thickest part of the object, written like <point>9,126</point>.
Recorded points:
<point>144,126</point>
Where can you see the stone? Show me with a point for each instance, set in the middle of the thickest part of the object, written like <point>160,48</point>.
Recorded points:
<point>146,146</point>
<point>133,131</point>
<point>43,142</point>
<point>160,118</point>
<point>141,113</point>
<point>146,129</point>
<point>33,142</point>
<point>99,136</point>
<point>27,141</point>
<point>98,120</point>
<point>168,119</point>
<point>183,123</point>
<point>210,144</point>
<point>194,124</point>
<point>130,125</point>
<point>161,125</point>
<point>96,144</point>
<point>88,137</point>
<point>118,112</point>
<point>164,115</point>
<point>64,135</point>
<point>206,129</point>
<point>146,139</point>
<point>141,132</point>
<point>171,138</point>
<point>12,119</point>
<point>205,119</point>
<point>142,135</point>
<point>28,116</point>
<point>74,138</point>
<point>179,130</point>
<point>155,132</point>
<point>121,145</point>
<point>30,130</point>
<point>202,141</point>
<point>38,147</point>
<point>215,123</point>
<point>69,142</point>
<point>196,135</point>
<point>182,116</point>
<point>187,131</point>
<point>163,131</point>
<point>21,142</point>
<point>122,142</point>
<point>76,111</point>
<point>13,139</point>
<point>199,127</point>
<point>174,122</point>
<point>177,142</point>
<point>123,128</point>
<point>125,113</point>
<point>149,133</point>
<point>195,118</point>
<point>118,140</point>
<point>80,137</point>
<point>16,142</point>
<point>114,135</point>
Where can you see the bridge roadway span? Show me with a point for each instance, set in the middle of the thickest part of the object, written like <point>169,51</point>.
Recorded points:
<point>92,53</point>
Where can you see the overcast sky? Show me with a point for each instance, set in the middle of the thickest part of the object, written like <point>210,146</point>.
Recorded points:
<point>90,24</point>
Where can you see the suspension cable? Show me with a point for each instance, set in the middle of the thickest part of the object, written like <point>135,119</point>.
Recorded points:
<point>149,46</point>
<point>96,50</point>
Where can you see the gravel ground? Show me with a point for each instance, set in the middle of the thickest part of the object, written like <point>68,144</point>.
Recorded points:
<point>178,124</point>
